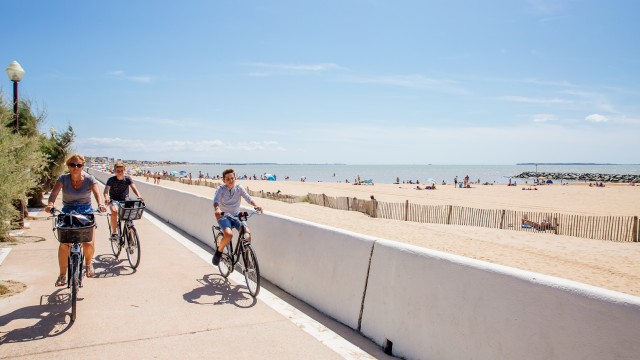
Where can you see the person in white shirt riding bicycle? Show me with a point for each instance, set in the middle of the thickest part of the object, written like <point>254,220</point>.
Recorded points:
<point>227,200</point>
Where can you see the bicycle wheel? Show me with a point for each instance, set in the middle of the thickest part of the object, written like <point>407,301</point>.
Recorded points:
<point>226,262</point>
<point>75,283</point>
<point>133,247</point>
<point>116,246</point>
<point>251,270</point>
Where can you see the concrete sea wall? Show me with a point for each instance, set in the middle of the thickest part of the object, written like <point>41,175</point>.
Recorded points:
<point>419,303</point>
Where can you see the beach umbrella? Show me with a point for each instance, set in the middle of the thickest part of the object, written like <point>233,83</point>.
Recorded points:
<point>430,180</point>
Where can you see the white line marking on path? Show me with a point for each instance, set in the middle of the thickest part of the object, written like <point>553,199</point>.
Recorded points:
<point>3,254</point>
<point>323,334</point>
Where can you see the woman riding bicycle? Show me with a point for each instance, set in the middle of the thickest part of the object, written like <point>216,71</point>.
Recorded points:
<point>117,190</point>
<point>76,196</point>
<point>227,199</point>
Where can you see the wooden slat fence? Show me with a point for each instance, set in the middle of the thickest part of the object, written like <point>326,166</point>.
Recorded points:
<point>276,196</point>
<point>612,228</point>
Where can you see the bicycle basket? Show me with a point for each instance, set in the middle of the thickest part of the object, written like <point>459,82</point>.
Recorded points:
<point>131,210</point>
<point>75,228</point>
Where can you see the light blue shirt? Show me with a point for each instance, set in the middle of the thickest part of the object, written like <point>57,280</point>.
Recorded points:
<point>229,199</point>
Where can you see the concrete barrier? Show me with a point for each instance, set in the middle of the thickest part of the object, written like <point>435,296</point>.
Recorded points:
<point>326,268</point>
<point>433,305</point>
<point>420,303</point>
<point>322,266</point>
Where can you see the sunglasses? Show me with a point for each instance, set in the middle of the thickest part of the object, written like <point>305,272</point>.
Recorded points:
<point>73,165</point>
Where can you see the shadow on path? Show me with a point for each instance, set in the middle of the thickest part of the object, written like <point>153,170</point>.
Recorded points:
<point>37,322</point>
<point>106,265</point>
<point>216,290</point>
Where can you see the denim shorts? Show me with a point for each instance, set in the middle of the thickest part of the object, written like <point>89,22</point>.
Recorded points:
<point>226,222</point>
<point>80,209</point>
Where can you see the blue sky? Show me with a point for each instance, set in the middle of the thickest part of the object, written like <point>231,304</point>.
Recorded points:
<point>348,81</point>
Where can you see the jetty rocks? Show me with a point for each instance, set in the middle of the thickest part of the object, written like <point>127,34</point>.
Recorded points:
<point>613,178</point>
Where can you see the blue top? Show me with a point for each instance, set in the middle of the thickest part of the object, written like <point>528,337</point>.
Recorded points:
<point>229,199</point>
<point>73,197</point>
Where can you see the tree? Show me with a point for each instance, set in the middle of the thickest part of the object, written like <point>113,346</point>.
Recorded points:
<point>55,148</point>
<point>20,160</point>
<point>30,162</point>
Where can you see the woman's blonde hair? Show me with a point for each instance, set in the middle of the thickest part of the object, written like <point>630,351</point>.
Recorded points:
<point>75,156</point>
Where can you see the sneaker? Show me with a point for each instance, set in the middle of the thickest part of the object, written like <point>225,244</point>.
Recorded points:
<point>113,237</point>
<point>216,258</point>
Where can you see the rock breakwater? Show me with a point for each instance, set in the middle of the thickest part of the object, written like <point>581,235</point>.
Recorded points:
<point>613,178</point>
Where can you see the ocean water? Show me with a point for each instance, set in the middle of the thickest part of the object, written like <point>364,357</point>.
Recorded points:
<point>387,174</point>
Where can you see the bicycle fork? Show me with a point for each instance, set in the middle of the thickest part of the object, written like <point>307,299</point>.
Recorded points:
<point>246,257</point>
<point>76,264</point>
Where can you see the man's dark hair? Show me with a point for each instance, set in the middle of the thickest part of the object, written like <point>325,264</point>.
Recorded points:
<point>228,171</point>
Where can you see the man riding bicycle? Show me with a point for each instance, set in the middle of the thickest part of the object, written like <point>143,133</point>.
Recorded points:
<point>227,200</point>
<point>117,190</point>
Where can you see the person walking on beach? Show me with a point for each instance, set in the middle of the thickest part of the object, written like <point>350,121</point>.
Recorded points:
<point>227,200</point>
<point>455,182</point>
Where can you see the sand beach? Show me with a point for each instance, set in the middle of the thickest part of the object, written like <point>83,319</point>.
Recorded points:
<point>606,264</point>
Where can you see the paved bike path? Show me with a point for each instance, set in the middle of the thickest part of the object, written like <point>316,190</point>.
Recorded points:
<point>176,305</point>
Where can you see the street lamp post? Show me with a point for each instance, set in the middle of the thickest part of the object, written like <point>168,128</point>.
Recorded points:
<point>15,73</point>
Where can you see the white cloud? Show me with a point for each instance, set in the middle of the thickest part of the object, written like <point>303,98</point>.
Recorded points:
<point>360,144</point>
<point>135,78</point>
<point>560,83</point>
<point>290,69</point>
<point>532,100</point>
<point>410,81</point>
<point>164,121</point>
<point>109,145</point>
<point>596,118</point>
<point>546,7</point>
<point>592,99</point>
<point>544,117</point>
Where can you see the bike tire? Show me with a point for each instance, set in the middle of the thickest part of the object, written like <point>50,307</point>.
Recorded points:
<point>251,270</point>
<point>75,284</point>
<point>116,246</point>
<point>226,262</point>
<point>133,247</point>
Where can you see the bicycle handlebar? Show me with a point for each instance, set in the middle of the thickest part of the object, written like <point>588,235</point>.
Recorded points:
<point>247,215</point>
<point>54,211</point>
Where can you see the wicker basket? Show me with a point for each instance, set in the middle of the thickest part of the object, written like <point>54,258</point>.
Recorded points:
<point>131,210</point>
<point>70,230</point>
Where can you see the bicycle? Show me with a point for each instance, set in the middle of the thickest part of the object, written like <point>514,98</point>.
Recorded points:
<point>231,257</point>
<point>128,211</point>
<point>73,229</point>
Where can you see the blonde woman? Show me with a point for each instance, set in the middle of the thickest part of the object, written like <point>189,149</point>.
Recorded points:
<point>76,187</point>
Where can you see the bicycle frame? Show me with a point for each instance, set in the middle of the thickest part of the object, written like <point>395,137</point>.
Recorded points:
<point>122,225</point>
<point>231,257</point>
<point>127,236</point>
<point>75,264</point>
